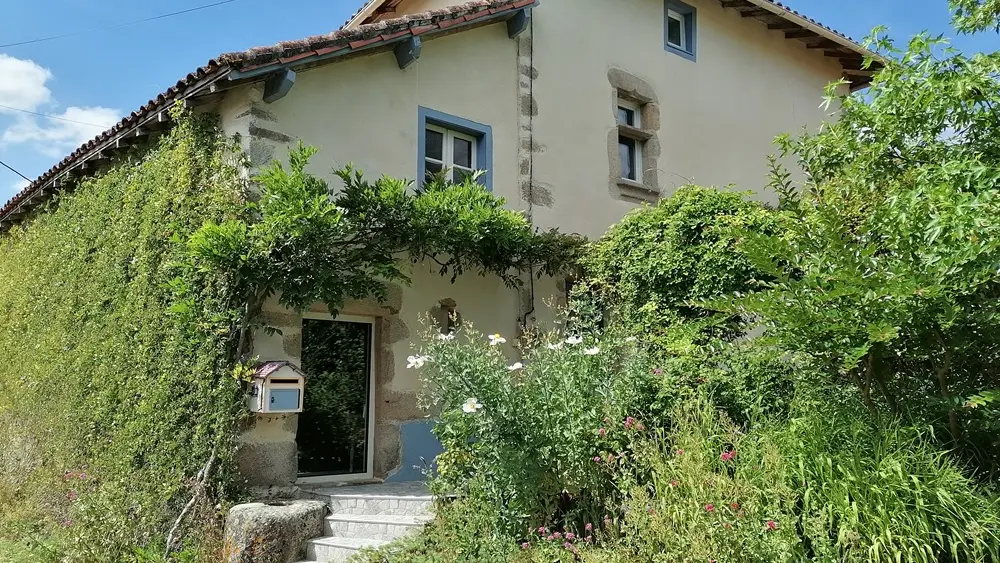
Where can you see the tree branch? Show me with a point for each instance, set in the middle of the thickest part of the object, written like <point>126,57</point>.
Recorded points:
<point>199,489</point>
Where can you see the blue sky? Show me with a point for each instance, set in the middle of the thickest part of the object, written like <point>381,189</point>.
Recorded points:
<point>96,78</point>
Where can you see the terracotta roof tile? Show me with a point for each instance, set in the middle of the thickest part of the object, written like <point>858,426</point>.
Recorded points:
<point>259,57</point>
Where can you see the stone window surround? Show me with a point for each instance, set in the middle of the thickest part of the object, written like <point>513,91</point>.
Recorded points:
<point>690,15</point>
<point>630,88</point>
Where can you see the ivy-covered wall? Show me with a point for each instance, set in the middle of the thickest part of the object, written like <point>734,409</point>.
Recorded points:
<point>116,358</point>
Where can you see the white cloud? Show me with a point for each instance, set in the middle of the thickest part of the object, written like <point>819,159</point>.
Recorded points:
<point>55,138</point>
<point>23,85</point>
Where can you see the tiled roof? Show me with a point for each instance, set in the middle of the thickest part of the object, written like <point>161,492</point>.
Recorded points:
<point>217,70</point>
<point>370,34</point>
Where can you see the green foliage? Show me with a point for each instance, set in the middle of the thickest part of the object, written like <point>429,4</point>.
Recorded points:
<point>308,245</point>
<point>972,16</point>
<point>888,270</point>
<point>653,266</point>
<point>117,359</point>
<point>823,485</point>
<point>539,439</point>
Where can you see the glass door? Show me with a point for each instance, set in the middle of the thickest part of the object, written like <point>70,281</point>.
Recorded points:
<point>334,431</point>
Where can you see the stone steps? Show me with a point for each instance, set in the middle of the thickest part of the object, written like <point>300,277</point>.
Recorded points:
<point>337,550</point>
<point>379,526</point>
<point>368,516</point>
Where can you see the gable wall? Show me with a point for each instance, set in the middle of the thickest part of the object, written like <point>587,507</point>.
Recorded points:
<point>718,115</point>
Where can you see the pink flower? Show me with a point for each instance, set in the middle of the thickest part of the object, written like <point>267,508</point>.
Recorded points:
<point>657,371</point>
<point>83,476</point>
<point>602,432</point>
<point>734,505</point>
<point>525,545</point>
<point>629,422</point>
<point>542,530</point>
<point>597,459</point>
<point>709,507</point>
<point>772,525</point>
<point>589,527</point>
<point>72,495</point>
<point>674,482</point>
<point>557,535</point>
<point>588,539</point>
<point>570,536</point>
<point>680,452</point>
<point>550,538</point>
<point>726,456</point>
<point>568,546</point>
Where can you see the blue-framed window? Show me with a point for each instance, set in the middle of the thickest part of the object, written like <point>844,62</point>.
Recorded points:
<point>680,28</point>
<point>447,141</point>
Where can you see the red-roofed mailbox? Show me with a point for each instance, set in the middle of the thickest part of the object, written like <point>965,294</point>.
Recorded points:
<point>278,387</point>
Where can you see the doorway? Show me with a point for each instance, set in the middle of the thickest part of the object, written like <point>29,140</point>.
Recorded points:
<point>336,424</point>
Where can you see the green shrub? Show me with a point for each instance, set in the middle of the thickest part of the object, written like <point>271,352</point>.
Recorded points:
<point>530,434</point>
<point>114,395</point>
<point>651,268</point>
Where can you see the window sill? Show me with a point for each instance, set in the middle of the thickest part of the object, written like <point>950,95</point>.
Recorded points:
<point>680,52</point>
<point>634,133</point>
<point>638,190</point>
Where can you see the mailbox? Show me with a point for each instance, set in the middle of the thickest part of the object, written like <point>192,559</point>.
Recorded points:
<point>278,387</point>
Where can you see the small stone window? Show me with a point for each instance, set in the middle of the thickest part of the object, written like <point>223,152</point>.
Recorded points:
<point>634,148</point>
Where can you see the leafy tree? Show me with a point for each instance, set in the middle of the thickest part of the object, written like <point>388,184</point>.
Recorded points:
<point>305,244</point>
<point>889,270</point>
<point>976,15</point>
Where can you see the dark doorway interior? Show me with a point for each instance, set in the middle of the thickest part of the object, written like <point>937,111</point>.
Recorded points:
<point>333,427</point>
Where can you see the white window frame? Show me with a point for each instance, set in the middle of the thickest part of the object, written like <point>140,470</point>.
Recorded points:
<point>369,472</point>
<point>448,150</point>
<point>637,124</point>
<point>682,19</point>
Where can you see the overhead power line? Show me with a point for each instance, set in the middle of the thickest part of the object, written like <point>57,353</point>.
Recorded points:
<point>117,25</point>
<point>56,117</point>
<point>7,166</point>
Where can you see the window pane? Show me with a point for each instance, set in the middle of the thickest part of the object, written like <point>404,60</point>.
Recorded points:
<point>434,145</point>
<point>431,169</point>
<point>675,32</point>
<point>459,175</point>
<point>626,152</point>
<point>463,153</point>
<point>626,116</point>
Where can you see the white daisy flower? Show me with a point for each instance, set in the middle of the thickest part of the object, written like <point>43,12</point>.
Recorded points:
<point>416,362</point>
<point>515,367</point>
<point>496,339</point>
<point>574,340</point>
<point>447,337</point>
<point>592,351</point>
<point>471,405</point>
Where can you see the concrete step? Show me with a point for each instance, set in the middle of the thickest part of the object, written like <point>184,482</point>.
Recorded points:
<point>378,527</point>
<point>390,499</point>
<point>337,550</point>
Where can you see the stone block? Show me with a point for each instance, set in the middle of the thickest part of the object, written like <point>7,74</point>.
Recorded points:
<point>272,532</point>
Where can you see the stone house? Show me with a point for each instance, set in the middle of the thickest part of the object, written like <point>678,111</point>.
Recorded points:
<point>578,110</point>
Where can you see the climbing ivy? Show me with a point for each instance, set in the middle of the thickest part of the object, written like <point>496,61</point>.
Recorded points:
<point>115,395</point>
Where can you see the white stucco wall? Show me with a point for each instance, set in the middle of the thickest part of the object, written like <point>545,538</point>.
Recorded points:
<point>550,104</point>
<point>719,115</point>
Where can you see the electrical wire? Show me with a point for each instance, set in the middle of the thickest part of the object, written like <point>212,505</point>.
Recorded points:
<point>8,167</point>
<point>57,118</point>
<point>118,25</point>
